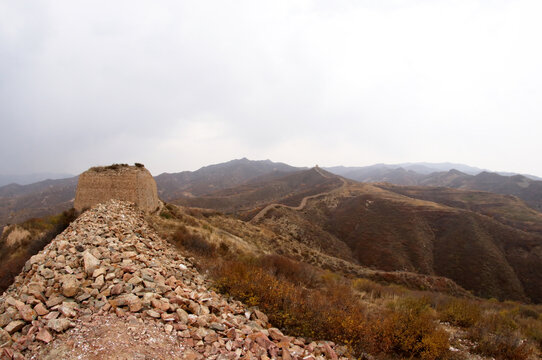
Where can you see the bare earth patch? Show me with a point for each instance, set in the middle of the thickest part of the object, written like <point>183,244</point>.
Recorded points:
<point>111,337</point>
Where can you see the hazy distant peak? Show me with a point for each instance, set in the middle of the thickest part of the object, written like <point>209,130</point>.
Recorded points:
<point>25,179</point>
<point>456,172</point>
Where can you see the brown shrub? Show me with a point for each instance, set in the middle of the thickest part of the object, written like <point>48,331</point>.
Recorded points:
<point>461,312</point>
<point>374,289</point>
<point>173,212</point>
<point>409,330</point>
<point>223,249</point>
<point>294,271</point>
<point>166,214</point>
<point>532,328</point>
<point>193,241</point>
<point>528,312</point>
<point>497,335</point>
<point>332,312</point>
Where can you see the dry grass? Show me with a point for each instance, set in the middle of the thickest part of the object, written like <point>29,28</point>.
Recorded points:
<point>498,335</point>
<point>40,232</point>
<point>332,311</point>
<point>500,330</point>
<point>368,315</point>
<point>461,312</point>
<point>193,241</point>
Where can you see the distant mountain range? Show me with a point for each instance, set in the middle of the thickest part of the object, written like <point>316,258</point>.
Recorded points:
<point>422,168</point>
<point>20,202</point>
<point>26,179</point>
<point>526,188</point>
<point>216,177</point>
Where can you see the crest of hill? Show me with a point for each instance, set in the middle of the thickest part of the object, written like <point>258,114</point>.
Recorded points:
<point>216,177</point>
<point>19,203</point>
<point>418,230</point>
<point>110,287</point>
<point>117,181</point>
<point>526,187</point>
<point>285,188</point>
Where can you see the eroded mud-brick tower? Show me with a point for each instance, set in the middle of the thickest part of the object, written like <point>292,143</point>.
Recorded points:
<point>121,182</point>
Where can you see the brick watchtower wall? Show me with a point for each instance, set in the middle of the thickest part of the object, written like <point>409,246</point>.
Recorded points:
<point>121,182</point>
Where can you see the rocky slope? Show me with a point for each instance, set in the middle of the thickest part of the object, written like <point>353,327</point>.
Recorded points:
<point>109,287</point>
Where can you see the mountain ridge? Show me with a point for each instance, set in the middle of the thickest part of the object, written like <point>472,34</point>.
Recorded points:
<point>379,226</point>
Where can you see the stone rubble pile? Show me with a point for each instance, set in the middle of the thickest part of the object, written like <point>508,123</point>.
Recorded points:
<point>109,261</point>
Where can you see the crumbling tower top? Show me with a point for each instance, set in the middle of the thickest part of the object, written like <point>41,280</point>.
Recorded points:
<point>119,181</point>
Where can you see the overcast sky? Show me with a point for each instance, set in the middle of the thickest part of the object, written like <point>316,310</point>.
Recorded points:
<point>178,85</point>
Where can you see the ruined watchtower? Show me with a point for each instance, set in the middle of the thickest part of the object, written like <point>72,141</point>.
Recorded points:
<point>119,181</point>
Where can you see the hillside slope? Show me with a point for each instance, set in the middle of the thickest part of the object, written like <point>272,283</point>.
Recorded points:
<point>392,232</point>
<point>22,202</point>
<point>216,177</point>
<point>507,209</point>
<point>488,243</point>
<point>287,189</point>
<point>124,292</point>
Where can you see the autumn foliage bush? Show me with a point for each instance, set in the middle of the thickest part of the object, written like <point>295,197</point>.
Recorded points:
<point>498,334</point>
<point>331,312</point>
<point>294,271</point>
<point>461,312</point>
<point>409,329</point>
<point>499,330</point>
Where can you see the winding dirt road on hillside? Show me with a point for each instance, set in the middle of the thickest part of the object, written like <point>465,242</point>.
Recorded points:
<point>303,202</point>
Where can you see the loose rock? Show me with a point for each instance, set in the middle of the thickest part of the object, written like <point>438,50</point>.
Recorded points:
<point>70,285</point>
<point>90,262</point>
<point>110,264</point>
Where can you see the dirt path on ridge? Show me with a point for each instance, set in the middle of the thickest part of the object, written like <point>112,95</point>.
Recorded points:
<point>303,202</point>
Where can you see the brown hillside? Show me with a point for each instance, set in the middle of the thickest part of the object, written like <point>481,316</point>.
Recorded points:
<point>507,209</point>
<point>288,190</point>
<point>19,203</point>
<point>527,189</point>
<point>216,177</point>
<point>370,226</point>
<point>393,232</point>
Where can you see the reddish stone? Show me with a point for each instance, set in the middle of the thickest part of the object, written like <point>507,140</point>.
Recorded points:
<point>27,313</point>
<point>44,335</point>
<point>41,310</point>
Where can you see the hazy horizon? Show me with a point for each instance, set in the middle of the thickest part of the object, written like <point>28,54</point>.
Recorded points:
<point>179,85</point>
<point>24,179</point>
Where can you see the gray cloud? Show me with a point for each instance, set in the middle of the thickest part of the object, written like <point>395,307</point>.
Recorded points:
<point>178,85</point>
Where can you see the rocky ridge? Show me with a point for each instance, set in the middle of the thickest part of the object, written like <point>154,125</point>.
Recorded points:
<point>110,287</point>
